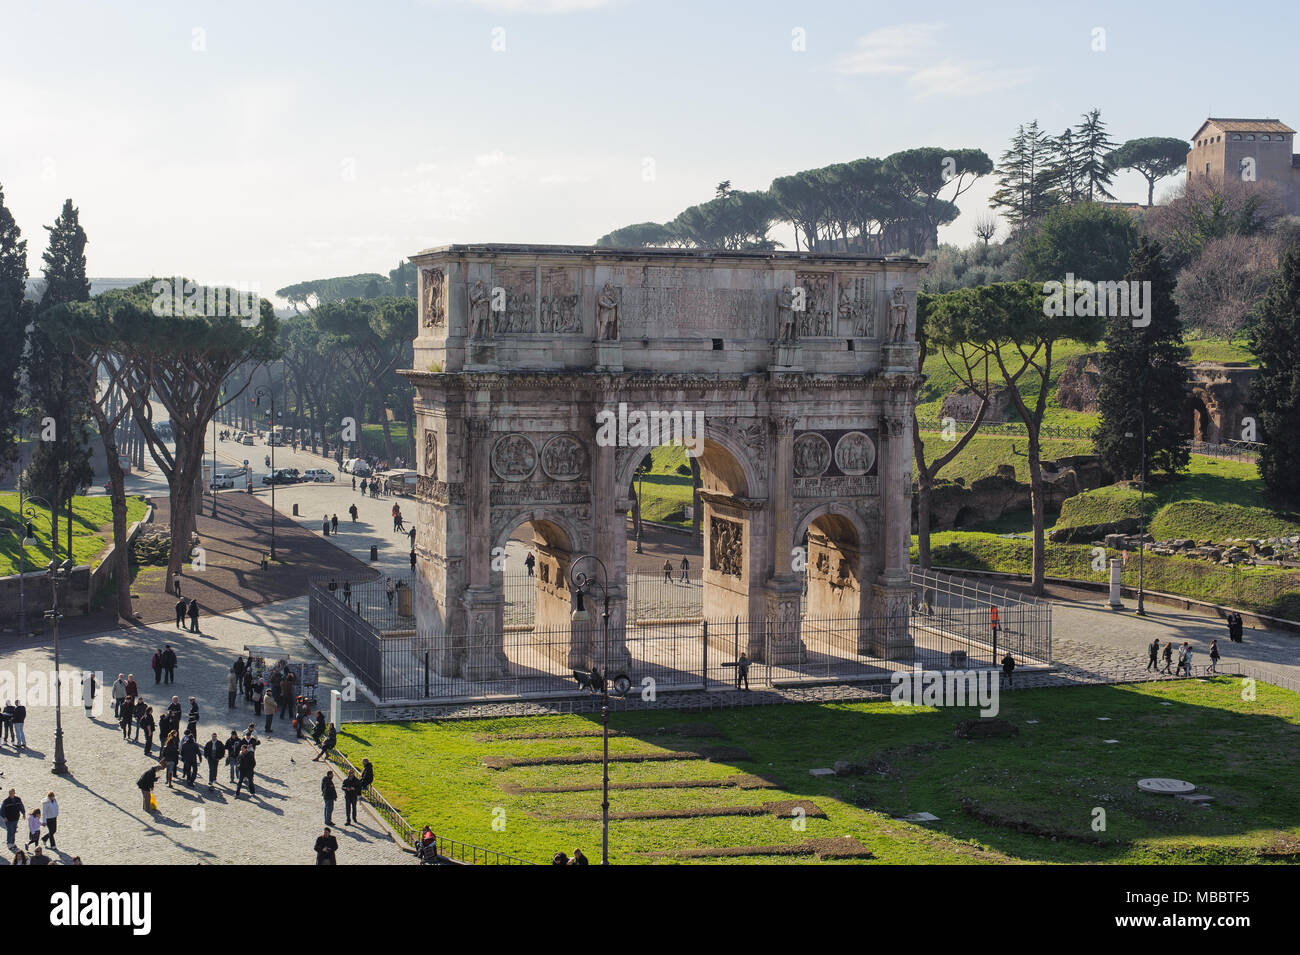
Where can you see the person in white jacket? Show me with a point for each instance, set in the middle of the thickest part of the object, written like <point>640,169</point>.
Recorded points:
<point>50,813</point>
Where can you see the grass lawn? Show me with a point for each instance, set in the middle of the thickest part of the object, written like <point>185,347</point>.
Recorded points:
<point>1049,780</point>
<point>1214,500</point>
<point>1268,590</point>
<point>92,530</point>
<point>983,454</point>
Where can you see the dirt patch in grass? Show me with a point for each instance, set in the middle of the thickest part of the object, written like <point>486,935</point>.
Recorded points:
<point>693,730</point>
<point>1283,847</point>
<point>714,754</point>
<point>994,818</point>
<point>738,781</point>
<point>837,848</point>
<point>784,809</point>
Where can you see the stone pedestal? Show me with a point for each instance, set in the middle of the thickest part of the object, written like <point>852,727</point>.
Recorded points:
<point>899,356</point>
<point>890,633</point>
<point>483,655</point>
<point>482,356</point>
<point>782,644</point>
<point>608,356</point>
<point>785,357</point>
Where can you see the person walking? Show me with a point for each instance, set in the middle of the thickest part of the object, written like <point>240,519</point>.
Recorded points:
<point>88,692</point>
<point>1009,669</point>
<point>367,775</point>
<point>132,688</point>
<point>192,725</point>
<point>238,669</point>
<point>530,562</point>
<point>7,721</point>
<point>33,828</point>
<point>181,607</point>
<point>686,566</point>
<point>388,590</point>
<point>156,662</point>
<point>352,512</point>
<point>1153,655</point>
<point>1168,655</point>
<point>119,694</point>
<point>351,793</point>
<point>301,712</point>
<point>365,485</point>
<point>50,813</point>
<point>194,615</point>
<point>288,696</point>
<point>326,847</point>
<point>233,745</point>
<point>1214,656</point>
<point>190,753</point>
<point>401,522</point>
<point>247,765</point>
<point>125,722</point>
<point>171,754</point>
<point>232,688</point>
<point>12,811</point>
<point>347,592</point>
<point>20,718</point>
<point>147,724</point>
<point>213,750</point>
<point>742,671</point>
<point>331,737</point>
<point>325,524</point>
<point>354,482</point>
<point>148,779</point>
<point>413,559</point>
<point>668,570</point>
<point>141,707</point>
<point>269,707</point>
<point>329,794</point>
<point>259,692</point>
<point>1187,658</point>
<point>334,524</point>
<point>169,655</point>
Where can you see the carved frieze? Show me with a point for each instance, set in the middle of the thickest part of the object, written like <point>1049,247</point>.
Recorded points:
<point>838,486</point>
<point>856,305</point>
<point>812,455</point>
<point>431,453</point>
<point>817,319</point>
<point>564,458</point>
<point>726,546</point>
<point>533,492</point>
<point>514,457</point>
<point>560,302</point>
<point>439,492</point>
<point>434,296</point>
<point>855,453</point>
<point>514,310</point>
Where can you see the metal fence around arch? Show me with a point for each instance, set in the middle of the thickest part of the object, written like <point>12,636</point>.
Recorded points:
<point>667,642</point>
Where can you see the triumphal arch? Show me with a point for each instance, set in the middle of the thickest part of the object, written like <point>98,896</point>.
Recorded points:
<point>535,368</point>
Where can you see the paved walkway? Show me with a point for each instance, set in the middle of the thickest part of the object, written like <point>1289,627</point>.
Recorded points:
<point>101,818</point>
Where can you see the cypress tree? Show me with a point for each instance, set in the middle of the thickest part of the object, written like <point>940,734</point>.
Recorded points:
<point>14,318</point>
<point>1142,368</point>
<point>1276,389</point>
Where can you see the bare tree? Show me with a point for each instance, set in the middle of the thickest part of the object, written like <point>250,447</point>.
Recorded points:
<point>986,227</point>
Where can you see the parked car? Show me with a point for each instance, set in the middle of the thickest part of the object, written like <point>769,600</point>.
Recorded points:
<point>357,466</point>
<point>318,474</point>
<point>222,481</point>
<point>282,476</point>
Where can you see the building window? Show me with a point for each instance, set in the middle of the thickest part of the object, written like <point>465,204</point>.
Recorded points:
<point>1250,137</point>
<point>1236,137</point>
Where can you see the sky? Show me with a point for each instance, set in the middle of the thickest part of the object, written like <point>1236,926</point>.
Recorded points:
<point>266,143</point>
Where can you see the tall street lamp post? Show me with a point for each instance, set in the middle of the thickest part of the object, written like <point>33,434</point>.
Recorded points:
<point>640,505</point>
<point>58,574</point>
<point>269,393</point>
<point>580,584</point>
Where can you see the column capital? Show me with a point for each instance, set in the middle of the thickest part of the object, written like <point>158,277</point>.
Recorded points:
<point>783,425</point>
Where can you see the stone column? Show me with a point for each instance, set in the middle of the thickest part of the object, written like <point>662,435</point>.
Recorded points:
<point>890,628</point>
<point>609,536</point>
<point>778,641</point>
<point>484,657</point>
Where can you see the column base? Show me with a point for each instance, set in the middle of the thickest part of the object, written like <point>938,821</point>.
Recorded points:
<point>483,656</point>
<point>481,356</point>
<point>890,634</point>
<point>608,356</point>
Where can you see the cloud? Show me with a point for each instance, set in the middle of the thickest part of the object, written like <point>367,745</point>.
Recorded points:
<point>913,52</point>
<point>892,49</point>
<point>543,7</point>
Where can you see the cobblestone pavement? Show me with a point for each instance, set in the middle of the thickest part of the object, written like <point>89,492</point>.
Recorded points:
<point>101,816</point>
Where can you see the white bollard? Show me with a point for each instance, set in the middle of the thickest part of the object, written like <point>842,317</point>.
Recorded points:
<point>336,707</point>
<point>1116,591</point>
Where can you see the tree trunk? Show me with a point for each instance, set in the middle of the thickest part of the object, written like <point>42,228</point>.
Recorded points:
<point>54,528</point>
<point>697,523</point>
<point>923,485</point>
<point>122,564</point>
<point>388,435</point>
<point>1038,505</point>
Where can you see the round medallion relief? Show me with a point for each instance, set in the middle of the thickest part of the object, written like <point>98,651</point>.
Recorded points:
<point>513,457</point>
<point>812,455</point>
<point>564,458</point>
<point>855,453</point>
